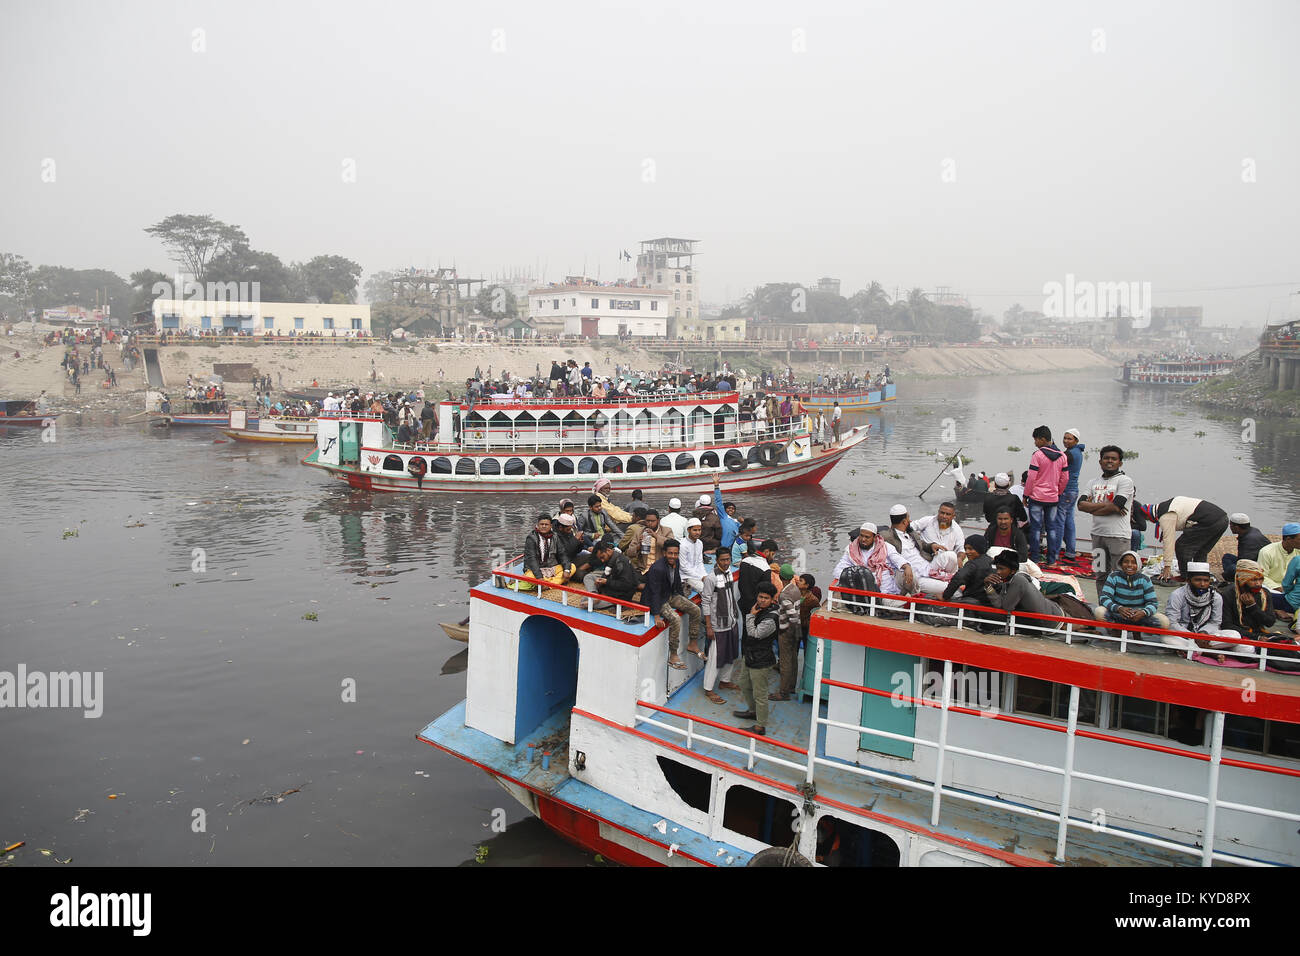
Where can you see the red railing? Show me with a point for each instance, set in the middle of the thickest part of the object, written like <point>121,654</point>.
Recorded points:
<point>1097,628</point>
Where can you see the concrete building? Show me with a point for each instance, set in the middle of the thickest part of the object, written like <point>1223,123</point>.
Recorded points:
<point>713,329</point>
<point>829,286</point>
<point>261,318</point>
<point>669,264</point>
<point>590,309</point>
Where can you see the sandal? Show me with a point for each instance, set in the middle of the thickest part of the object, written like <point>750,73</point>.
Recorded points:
<point>778,696</point>
<point>715,698</point>
<point>677,665</point>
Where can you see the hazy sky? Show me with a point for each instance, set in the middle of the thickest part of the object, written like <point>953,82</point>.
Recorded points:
<point>987,146</point>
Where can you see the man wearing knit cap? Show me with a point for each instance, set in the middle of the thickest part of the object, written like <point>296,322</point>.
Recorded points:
<point>710,526</point>
<point>1074,449</point>
<point>1000,498</point>
<point>788,634</point>
<point>1274,560</point>
<point>1249,542</point>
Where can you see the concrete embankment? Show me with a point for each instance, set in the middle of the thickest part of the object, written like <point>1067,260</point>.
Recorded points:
<point>1247,389</point>
<point>959,361</point>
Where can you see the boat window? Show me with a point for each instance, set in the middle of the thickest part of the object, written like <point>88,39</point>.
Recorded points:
<point>971,686</point>
<point>613,465</point>
<point>1043,698</point>
<point>636,464</point>
<point>1272,737</point>
<point>759,816</point>
<point>394,463</point>
<point>709,460</point>
<point>689,783</point>
<point>732,458</point>
<point>489,466</point>
<point>754,455</point>
<point>540,466</point>
<point>465,466</point>
<point>514,466</point>
<point>661,463</point>
<point>841,843</point>
<point>440,466</point>
<point>564,466</point>
<point>1183,724</point>
<point>588,466</point>
<point>685,462</point>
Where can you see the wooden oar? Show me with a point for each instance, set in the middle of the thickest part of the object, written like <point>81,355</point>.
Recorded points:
<point>947,462</point>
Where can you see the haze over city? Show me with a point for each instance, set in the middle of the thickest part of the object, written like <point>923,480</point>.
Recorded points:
<point>988,148</point>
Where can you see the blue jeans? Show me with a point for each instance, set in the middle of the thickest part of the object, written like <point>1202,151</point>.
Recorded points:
<point>1042,515</point>
<point>1065,522</point>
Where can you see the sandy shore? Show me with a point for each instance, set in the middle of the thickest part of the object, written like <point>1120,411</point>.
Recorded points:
<point>397,365</point>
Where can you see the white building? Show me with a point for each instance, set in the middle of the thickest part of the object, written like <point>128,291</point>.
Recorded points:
<point>261,318</point>
<point>668,264</point>
<point>590,309</point>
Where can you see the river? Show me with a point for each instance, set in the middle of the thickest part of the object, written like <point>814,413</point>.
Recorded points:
<point>186,571</point>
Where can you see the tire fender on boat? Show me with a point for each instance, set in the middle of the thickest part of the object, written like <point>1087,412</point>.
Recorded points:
<point>417,468</point>
<point>778,856</point>
<point>737,464</point>
<point>768,454</point>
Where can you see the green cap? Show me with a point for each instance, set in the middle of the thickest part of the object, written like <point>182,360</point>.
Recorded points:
<point>787,572</point>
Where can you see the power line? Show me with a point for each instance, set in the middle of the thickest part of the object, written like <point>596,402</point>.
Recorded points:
<point>1221,288</point>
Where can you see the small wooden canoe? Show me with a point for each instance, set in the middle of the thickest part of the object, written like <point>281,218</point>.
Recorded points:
<point>457,632</point>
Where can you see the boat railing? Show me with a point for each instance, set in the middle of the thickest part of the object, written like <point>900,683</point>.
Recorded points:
<point>503,577</point>
<point>1068,629</point>
<point>623,401</point>
<point>610,436</point>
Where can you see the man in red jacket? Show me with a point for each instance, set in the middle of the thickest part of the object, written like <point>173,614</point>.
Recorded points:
<point>1048,475</point>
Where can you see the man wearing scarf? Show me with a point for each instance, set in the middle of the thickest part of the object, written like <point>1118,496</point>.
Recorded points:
<point>869,550</point>
<point>1198,609</point>
<point>541,554</point>
<point>1246,607</point>
<point>720,606</point>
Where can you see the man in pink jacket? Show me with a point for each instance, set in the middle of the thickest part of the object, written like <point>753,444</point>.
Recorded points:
<point>1048,475</point>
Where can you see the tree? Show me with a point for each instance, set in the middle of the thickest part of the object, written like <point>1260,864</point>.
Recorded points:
<point>194,241</point>
<point>326,276</point>
<point>379,288</point>
<point>497,302</point>
<point>54,286</point>
<point>276,282</point>
<point>143,283</point>
<point>15,283</point>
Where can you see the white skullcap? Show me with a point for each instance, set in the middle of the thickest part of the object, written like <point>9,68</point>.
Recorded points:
<point>565,519</point>
<point>693,523</point>
<point>868,526</point>
<point>674,502</point>
<point>704,500</point>
<point>1239,518</point>
<point>897,511</point>
<point>1002,479</point>
<point>1075,433</point>
<point>1198,567</point>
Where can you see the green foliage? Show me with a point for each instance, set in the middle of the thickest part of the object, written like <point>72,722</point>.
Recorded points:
<point>481,854</point>
<point>309,616</point>
<point>1013,448</point>
<point>277,282</point>
<point>327,278</point>
<point>497,302</point>
<point>194,241</point>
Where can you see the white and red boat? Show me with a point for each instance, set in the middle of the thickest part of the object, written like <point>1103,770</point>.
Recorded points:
<point>283,429</point>
<point>910,745</point>
<point>652,442</point>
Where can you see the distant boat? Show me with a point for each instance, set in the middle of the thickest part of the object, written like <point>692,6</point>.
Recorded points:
<point>270,429</point>
<point>1175,373</point>
<point>457,632</point>
<point>850,400</point>
<point>23,412</point>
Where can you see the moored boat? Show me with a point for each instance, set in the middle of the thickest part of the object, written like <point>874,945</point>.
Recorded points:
<point>270,428</point>
<point>910,745</point>
<point>653,442</point>
<point>851,400</point>
<point>24,412</point>
<point>1173,373</point>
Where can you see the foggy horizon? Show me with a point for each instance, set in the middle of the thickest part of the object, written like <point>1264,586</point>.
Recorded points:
<point>989,149</point>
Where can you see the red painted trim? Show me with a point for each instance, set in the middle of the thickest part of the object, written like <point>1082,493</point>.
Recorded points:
<point>614,850</point>
<point>593,453</point>
<point>635,640</point>
<point>1012,858</point>
<point>1100,675</point>
<point>718,398</point>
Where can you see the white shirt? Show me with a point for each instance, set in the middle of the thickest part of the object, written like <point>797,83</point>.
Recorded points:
<point>691,560</point>
<point>675,523</point>
<point>952,538</point>
<point>836,413</point>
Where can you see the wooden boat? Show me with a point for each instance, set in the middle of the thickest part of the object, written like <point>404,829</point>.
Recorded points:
<point>24,412</point>
<point>1179,373</point>
<point>268,428</point>
<point>851,400</point>
<point>201,412</point>
<point>653,442</point>
<point>457,632</point>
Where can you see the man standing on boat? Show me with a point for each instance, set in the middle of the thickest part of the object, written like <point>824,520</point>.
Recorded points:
<point>757,659</point>
<point>692,556</point>
<point>836,414</point>
<point>1074,450</point>
<point>673,521</point>
<point>1047,480</point>
<point>1110,502</point>
<point>1201,522</point>
<point>663,595</point>
<point>720,609</point>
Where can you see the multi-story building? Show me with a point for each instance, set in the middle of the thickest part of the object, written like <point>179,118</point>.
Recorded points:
<point>590,309</point>
<point>713,329</point>
<point>669,264</point>
<point>261,318</point>
<point>828,285</point>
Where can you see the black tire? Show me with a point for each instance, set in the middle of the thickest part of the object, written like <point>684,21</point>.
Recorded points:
<point>778,856</point>
<point>768,454</point>
<point>416,468</point>
<point>737,464</point>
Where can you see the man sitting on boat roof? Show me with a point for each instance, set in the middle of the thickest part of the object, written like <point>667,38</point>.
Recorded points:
<point>1249,541</point>
<point>1274,560</point>
<point>1197,608</point>
<point>1010,589</point>
<point>869,550</point>
<point>940,530</point>
<point>1129,597</point>
<point>1000,498</point>
<point>602,488</point>
<point>544,558</point>
<point>664,596</point>
<point>612,574</point>
<point>644,540</point>
<point>933,567</point>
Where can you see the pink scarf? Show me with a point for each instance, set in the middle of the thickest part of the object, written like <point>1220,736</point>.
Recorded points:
<point>876,559</point>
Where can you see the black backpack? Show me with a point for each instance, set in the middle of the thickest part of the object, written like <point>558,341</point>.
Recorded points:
<point>860,579</point>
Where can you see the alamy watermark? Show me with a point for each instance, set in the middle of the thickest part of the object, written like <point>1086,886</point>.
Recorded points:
<point>187,289</point>
<point>73,689</point>
<point>1084,299</point>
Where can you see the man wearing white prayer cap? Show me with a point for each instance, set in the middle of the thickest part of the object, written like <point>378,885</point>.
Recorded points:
<point>691,557</point>
<point>931,569</point>
<point>870,550</point>
<point>673,520</point>
<point>1249,541</point>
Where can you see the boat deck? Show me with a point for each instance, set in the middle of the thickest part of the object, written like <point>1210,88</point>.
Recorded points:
<point>1029,838</point>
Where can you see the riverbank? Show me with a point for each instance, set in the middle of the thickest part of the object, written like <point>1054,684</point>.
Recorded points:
<point>443,367</point>
<point>1247,389</point>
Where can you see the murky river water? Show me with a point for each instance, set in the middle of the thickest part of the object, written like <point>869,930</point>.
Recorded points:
<point>220,697</point>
